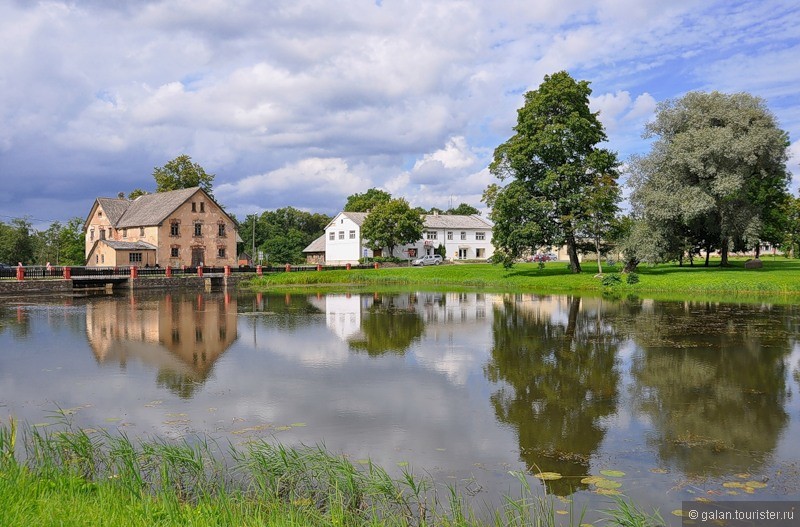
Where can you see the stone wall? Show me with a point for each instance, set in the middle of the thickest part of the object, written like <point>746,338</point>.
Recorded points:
<point>44,287</point>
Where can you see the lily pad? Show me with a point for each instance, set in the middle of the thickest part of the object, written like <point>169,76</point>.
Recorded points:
<point>755,485</point>
<point>113,419</point>
<point>613,473</point>
<point>296,425</point>
<point>562,512</point>
<point>608,492</point>
<point>402,463</point>
<point>658,470</point>
<point>283,428</point>
<point>591,480</point>
<point>607,484</point>
<point>678,513</point>
<point>733,485</point>
<point>548,476</point>
<point>743,475</point>
<point>363,461</point>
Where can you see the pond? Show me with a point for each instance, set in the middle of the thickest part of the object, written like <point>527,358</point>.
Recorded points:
<point>687,399</point>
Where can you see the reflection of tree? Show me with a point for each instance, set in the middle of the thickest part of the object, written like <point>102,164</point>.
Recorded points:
<point>561,379</point>
<point>712,379</point>
<point>18,320</point>
<point>389,327</point>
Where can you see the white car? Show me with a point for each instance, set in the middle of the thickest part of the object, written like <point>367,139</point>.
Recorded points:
<point>428,259</point>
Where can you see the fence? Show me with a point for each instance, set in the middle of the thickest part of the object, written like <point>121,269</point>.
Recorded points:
<point>40,272</point>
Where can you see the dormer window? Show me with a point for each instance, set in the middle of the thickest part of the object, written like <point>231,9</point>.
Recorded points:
<point>202,206</point>
<point>99,213</point>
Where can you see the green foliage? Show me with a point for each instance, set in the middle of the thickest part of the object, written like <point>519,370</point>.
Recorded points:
<point>631,278</point>
<point>17,242</point>
<point>366,201</point>
<point>463,210</point>
<point>282,234</point>
<point>135,193</point>
<point>554,164</point>
<point>791,235</point>
<point>60,244</point>
<point>180,173</point>
<point>611,280</point>
<point>390,224</point>
<point>388,329</point>
<point>716,174</point>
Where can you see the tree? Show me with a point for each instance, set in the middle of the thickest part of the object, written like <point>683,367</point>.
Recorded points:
<point>463,210</point>
<point>180,173</point>
<point>791,238</point>
<point>553,162</point>
<point>135,193</point>
<point>367,201</point>
<point>716,168</point>
<point>16,242</point>
<point>390,224</point>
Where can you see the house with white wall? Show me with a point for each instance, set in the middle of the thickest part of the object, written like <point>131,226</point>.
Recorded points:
<point>463,238</point>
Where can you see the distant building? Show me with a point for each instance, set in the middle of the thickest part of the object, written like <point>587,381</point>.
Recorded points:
<point>176,228</point>
<point>462,238</point>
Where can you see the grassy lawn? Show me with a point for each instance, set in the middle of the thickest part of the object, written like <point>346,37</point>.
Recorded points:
<point>778,277</point>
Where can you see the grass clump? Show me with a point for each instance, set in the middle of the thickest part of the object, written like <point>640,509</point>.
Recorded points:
<point>81,477</point>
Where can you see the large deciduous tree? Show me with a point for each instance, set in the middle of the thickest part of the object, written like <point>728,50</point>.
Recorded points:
<point>366,201</point>
<point>554,163</point>
<point>717,171</point>
<point>180,173</point>
<point>390,224</point>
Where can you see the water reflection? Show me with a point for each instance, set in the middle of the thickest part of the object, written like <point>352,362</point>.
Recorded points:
<point>391,324</point>
<point>179,336</point>
<point>712,379</point>
<point>556,360</point>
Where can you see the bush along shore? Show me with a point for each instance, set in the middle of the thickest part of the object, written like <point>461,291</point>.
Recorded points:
<point>779,276</point>
<point>71,476</point>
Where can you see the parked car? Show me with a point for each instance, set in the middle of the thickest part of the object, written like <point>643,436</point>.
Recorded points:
<point>428,259</point>
<point>544,257</point>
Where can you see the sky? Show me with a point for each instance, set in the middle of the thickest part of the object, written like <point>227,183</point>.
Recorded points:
<point>302,103</point>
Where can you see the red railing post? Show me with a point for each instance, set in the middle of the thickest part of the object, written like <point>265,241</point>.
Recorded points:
<point>348,267</point>
<point>227,270</point>
<point>168,272</point>
<point>319,267</point>
<point>376,265</point>
<point>67,273</point>
<point>20,273</point>
<point>134,272</point>
<point>259,270</point>
<point>288,268</point>
<point>200,270</point>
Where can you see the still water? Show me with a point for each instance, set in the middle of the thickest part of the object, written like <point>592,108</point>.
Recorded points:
<point>683,397</point>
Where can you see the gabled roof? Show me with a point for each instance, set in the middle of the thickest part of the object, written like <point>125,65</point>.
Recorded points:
<point>454,221</point>
<point>114,208</point>
<point>152,209</point>
<point>357,217</point>
<point>317,246</point>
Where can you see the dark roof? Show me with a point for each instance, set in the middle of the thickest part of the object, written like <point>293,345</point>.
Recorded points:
<point>114,208</point>
<point>317,246</point>
<point>130,246</point>
<point>152,209</point>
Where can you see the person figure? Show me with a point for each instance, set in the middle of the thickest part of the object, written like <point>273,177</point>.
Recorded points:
<point>49,269</point>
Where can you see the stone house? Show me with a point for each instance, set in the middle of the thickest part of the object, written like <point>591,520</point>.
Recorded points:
<point>178,228</point>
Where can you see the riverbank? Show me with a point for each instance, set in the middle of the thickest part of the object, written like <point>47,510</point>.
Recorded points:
<point>87,477</point>
<point>779,276</point>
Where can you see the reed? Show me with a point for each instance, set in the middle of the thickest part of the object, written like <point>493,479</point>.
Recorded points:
<point>69,476</point>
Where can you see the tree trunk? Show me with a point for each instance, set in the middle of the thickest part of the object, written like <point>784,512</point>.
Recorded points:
<point>597,252</point>
<point>723,251</point>
<point>758,251</point>
<point>574,264</point>
<point>630,265</point>
<point>708,253</point>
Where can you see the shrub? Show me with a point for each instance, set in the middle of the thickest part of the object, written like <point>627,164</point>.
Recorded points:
<point>610,280</point>
<point>632,278</point>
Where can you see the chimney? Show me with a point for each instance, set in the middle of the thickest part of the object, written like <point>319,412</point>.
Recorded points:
<point>121,195</point>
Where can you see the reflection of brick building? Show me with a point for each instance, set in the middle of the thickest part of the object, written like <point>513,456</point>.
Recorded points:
<point>181,337</point>
<point>176,228</point>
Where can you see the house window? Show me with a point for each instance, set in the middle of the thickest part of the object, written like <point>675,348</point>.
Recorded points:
<point>91,234</point>
<point>102,234</point>
<point>221,230</point>
<point>220,252</point>
<point>102,258</point>
<point>341,235</point>
<point>202,206</point>
<point>96,258</point>
<point>135,257</point>
<point>352,235</point>
<point>463,235</point>
<point>175,228</point>
<point>480,253</point>
<point>141,231</point>
<point>430,235</point>
<point>174,251</point>
<point>194,207</point>
<point>198,229</point>
<point>332,236</point>
<point>99,213</point>
<point>124,233</point>
<point>480,235</point>
<point>449,235</point>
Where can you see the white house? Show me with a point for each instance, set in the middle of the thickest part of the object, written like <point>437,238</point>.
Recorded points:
<point>463,238</point>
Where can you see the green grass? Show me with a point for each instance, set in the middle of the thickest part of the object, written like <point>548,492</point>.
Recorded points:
<point>77,477</point>
<point>778,277</point>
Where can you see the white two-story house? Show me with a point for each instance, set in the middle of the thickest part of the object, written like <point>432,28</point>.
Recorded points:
<point>463,238</point>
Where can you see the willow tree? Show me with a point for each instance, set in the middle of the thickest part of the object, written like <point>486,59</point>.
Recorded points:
<point>553,164</point>
<point>718,160</point>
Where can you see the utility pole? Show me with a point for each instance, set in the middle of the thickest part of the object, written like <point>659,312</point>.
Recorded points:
<point>253,254</point>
